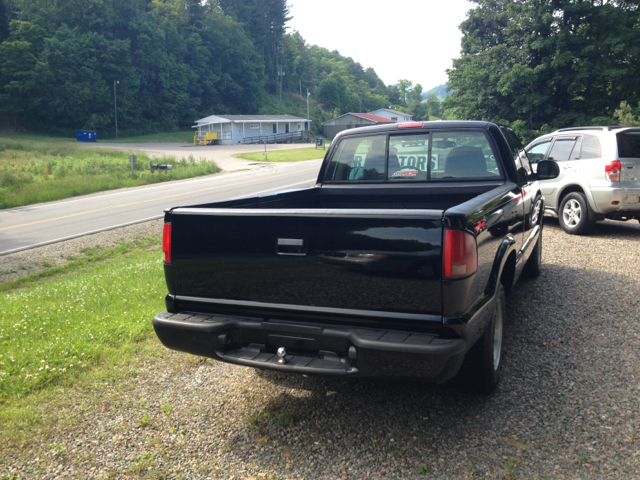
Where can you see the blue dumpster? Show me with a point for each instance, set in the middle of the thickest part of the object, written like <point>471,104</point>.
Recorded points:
<point>86,136</point>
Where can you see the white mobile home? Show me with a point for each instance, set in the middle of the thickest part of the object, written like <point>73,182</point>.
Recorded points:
<point>233,129</point>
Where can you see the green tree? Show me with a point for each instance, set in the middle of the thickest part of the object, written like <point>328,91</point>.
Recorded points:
<point>625,115</point>
<point>264,23</point>
<point>433,105</point>
<point>404,90</point>
<point>557,62</point>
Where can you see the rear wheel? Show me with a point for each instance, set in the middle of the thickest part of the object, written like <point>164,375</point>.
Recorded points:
<point>485,358</point>
<point>574,214</point>
<point>532,267</point>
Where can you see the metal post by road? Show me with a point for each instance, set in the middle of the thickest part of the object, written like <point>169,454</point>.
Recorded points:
<point>308,118</point>
<point>133,159</point>
<point>280,74</point>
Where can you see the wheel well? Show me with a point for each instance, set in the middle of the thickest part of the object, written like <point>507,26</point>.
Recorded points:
<point>508,273</point>
<point>569,189</point>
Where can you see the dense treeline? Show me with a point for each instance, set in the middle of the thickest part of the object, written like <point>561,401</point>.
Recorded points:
<point>174,61</point>
<point>544,64</point>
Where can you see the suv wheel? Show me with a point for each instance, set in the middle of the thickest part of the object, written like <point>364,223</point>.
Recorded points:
<point>574,215</point>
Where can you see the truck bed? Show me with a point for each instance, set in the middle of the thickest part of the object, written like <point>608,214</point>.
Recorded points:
<point>354,255</point>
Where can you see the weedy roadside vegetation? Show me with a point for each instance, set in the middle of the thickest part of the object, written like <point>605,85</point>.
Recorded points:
<point>294,155</point>
<point>40,171</point>
<point>54,329</point>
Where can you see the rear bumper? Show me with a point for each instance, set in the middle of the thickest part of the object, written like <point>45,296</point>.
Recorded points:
<point>628,200</point>
<point>312,349</point>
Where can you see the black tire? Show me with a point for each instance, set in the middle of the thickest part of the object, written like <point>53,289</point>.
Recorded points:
<point>532,267</point>
<point>574,214</point>
<point>484,360</point>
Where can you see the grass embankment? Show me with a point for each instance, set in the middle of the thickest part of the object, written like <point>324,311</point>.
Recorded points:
<point>56,329</point>
<point>294,155</point>
<point>40,171</point>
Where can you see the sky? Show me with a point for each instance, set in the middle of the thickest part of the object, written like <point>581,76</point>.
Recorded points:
<point>411,39</point>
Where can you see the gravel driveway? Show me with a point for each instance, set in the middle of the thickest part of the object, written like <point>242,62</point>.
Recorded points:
<point>568,406</point>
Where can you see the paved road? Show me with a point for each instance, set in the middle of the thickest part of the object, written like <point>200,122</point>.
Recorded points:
<point>35,225</point>
<point>223,155</point>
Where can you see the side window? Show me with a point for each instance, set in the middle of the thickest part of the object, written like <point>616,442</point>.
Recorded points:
<point>575,154</point>
<point>462,154</point>
<point>519,155</point>
<point>536,153</point>
<point>359,158</point>
<point>591,147</point>
<point>562,148</point>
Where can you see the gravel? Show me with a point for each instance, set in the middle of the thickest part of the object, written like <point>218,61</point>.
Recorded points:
<point>568,405</point>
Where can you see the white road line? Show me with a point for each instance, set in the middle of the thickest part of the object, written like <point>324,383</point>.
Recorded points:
<point>62,239</point>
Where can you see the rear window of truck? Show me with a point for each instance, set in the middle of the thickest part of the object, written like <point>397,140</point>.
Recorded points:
<point>431,156</point>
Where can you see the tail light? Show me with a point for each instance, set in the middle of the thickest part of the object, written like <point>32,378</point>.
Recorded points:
<point>460,257</point>
<point>166,243</point>
<point>612,171</point>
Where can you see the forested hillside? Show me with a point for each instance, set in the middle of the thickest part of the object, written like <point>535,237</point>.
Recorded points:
<point>544,64</point>
<point>174,61</point>
<point>536,65</point>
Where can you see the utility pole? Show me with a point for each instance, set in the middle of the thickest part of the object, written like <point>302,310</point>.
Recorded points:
<point>308,118</point>
<point>280,74</point>
<point>115,104</point>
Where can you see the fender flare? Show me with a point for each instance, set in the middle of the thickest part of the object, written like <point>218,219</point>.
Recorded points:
<point>505,248</point>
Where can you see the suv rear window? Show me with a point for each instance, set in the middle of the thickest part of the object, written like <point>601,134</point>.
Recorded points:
<point>452,155</point>
<point>629,145</point>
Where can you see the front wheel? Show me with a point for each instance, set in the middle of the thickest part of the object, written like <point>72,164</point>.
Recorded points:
<point>536,211</point>
<point>485,357</point>
<point>574,215</point>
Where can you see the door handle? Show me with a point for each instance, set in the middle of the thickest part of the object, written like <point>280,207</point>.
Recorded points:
<point>291,246</point>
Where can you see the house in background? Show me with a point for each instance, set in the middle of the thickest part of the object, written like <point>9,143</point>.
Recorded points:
<point>331,127</point>
<point>393,115</point>
<point>233,129</point>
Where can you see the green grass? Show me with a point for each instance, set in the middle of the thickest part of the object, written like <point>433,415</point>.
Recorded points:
<point>30,138</point>
<point>294,155</point>
<point>55,329</point>
<point>40,171</point>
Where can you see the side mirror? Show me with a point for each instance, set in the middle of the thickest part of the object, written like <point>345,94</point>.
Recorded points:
<point>547,170</point>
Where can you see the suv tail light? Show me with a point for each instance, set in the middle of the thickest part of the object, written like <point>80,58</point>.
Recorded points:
<point>612,171</point>
<point>166,243</point>
<point>460,257</point>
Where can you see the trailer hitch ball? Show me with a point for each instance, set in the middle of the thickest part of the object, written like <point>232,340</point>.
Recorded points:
<point>282,354</point>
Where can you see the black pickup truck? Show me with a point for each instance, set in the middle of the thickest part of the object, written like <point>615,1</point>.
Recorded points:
<point>396,263</point>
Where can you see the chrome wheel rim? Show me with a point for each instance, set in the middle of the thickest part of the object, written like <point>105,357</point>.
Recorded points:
<point>497,336</point>
<point>535,216</point>
<point>571,213</point>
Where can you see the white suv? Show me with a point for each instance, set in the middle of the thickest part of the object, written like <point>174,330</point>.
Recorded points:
<point>599,175</point>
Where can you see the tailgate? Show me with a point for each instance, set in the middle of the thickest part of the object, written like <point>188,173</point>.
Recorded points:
<point>322,262</point>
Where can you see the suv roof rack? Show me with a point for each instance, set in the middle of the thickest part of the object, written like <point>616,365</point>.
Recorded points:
<point>606,128</point>
<point>583,128</point>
